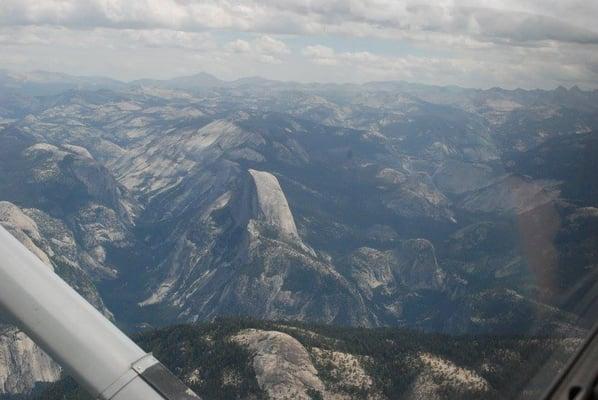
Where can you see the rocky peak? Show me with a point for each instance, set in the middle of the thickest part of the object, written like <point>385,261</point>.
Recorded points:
<point>282,365</point>
<point>272,206</point>
<point>69,177</point>
<point>22,363</point>
<point>23,229</point>
<point>412,265</point>
<point>417,265</point>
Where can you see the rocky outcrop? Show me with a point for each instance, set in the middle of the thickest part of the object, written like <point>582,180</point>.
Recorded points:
<point>71,179</point>
<point>390,280</point>
<point>55,244</point>
<point>71,196</point>
<point>272,205</point>
<point>246,248</point>
<point>23,228</point>
<point>156,163</point>
<point>418,197</point>
<point>283,367</point>
<point>413,266</point>
<point>417,265</point>
<point>511,195</point>
<point>22,363</point>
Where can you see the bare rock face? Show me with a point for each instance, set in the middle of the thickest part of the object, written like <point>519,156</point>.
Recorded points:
<point>23,363</point>
<point>11,216</point>
<point>283,366</point>
<point>154,164</point>
<point>285,369</point>
<point>418,266</point>
<point>55,244</point>
<point>372,269</point>
<point>270,215</point>
<point>245,247</point>
<point>272,204</point>
<point>511,195</point>
<point>70,178</point>
<point>412,265</point>
<point>418,197</point>
<point>23,228</point>
<point>393,277</point>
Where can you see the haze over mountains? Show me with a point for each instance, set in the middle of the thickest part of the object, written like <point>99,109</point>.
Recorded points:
<point>40,82</point>
<point>443,209</point>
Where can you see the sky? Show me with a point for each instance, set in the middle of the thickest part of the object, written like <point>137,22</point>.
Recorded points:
<point>505,43</point>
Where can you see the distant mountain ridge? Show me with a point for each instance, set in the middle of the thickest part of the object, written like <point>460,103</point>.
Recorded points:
<point>55,82</point>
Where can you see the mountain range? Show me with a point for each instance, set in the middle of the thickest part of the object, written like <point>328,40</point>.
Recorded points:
<point>389,204</point>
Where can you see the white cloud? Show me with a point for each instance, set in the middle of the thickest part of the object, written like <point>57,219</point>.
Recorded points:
<point>169,38</point>
<point>321,54</point>
<point>524,20</point>
<point>508,42</point>
<point>239,46</point>
<point>17,36</point>
<point>268,45</point>
<point>131,38</point>
<point>542,67</point>
<point>264,48</point>
<point>268,59</point>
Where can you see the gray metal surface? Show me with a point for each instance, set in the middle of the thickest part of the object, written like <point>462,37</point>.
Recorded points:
<point>579,379</point>
<point>165,383</point>
<point>78,337</point>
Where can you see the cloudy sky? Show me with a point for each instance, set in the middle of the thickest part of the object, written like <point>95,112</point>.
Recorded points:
<point>508,43</point>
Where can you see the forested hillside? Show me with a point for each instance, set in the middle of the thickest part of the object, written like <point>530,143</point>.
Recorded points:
<point>250,359</point>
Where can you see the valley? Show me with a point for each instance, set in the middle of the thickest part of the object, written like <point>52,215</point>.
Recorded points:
<point>412,208</point>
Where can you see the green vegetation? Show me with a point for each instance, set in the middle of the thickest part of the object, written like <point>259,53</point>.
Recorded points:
<point>216,368</point>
